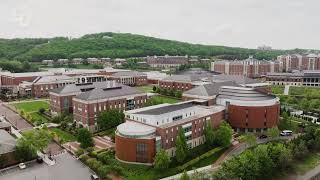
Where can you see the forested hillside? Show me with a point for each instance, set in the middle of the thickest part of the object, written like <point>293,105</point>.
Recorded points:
<point>117,45</point>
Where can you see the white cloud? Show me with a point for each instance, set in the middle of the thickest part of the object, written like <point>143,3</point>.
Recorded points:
<point>247,23</point>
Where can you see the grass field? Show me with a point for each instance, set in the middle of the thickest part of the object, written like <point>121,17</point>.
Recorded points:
<point>32,106</point>
<point>277,89</point>
<point>160,100</point>
<point>165,99</point>
<point>63,135</point>
<point>147,89</point>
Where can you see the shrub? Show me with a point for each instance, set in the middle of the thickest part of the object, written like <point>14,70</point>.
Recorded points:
<point>197,159</point>
<point>93,164</point>
<point>83,158</point>
<point>79,152</point>
<point>103,171</point>
<point>42,110</point>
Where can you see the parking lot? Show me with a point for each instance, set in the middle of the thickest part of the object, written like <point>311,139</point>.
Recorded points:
<point>66,167</point>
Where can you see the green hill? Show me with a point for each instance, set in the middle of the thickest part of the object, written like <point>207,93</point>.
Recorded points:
<point>118,45</point>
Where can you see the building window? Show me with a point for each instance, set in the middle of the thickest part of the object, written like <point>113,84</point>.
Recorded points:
<point>176,118</point>
<point>141,152</point>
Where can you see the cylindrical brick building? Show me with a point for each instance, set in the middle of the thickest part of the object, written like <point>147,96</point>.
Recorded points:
<point>248,109</point>
<point>135,142</point>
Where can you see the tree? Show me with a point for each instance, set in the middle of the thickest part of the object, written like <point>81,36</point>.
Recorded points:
<point>154,88</point>
<point>85,62</point>
<point>184,176</point>
<point>209,134</point>
<point>266,165</point>
<point>37,139</point>
<point>178,94</point>
<point>250,139</point>
<point>84,137</point>
<point>181,146</point>
<point>317,139</point>
<point>162,160</point>
<point>280,155</point>
<point>223,135</point>
<point>273,133</point>
<point>24,151</point>
<point>42,110</point>
<point>3,160</point>
<point>300,149</point>
<point>110,119</point>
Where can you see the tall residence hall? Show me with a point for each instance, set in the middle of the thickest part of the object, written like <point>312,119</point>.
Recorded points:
<point>244,103</point>
<point>249,67</point>
<point>300,62</point>
<point>87,100</point>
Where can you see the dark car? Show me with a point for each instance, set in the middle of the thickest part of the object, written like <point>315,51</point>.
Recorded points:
<point>263,136</point>
<point>39,160</point>
<point>94,177</point>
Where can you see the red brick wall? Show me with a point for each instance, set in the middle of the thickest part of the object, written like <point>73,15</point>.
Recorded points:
<point>175,85</point>
<point>197,129</point>
<point>126,148</point>
<point>256,116</point>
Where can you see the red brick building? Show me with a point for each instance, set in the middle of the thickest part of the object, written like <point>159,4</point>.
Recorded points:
<point>250,67</point>
<point>149,129</point>
<point>182,82</point>
<point>87,105</point>
<point>166,61</point>
<point>130,78</point>
<point>292,62</point>
<point>248,109</point>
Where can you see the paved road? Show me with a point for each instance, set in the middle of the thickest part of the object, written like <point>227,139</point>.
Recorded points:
<point>14,118</point>
<point>66,168</point>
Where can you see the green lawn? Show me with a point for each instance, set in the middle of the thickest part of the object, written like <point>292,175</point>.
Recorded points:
<point>32,106</point>
<point>165,99</point>
<point>277,89</point>
<point>146,89</point>
<point>63,135</point>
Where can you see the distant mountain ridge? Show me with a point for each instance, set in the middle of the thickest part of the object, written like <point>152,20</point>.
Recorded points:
<point>120,45</point>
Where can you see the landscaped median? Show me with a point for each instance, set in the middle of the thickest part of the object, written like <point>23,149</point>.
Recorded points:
<point>104,164</point>
<point>203,160</point>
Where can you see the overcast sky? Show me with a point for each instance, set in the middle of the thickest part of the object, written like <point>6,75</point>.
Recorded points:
<point>242,23</point>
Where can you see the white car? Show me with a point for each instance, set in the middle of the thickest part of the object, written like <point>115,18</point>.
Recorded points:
<point>22,166</point>
<point>286,133</point>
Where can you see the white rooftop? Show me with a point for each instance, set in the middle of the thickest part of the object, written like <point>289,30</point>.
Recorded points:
<point>131,128</point>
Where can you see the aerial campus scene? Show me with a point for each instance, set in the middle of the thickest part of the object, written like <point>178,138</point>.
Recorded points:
<point>148,90</point>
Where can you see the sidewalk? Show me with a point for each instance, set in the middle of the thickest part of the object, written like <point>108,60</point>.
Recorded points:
<point>312,174</point>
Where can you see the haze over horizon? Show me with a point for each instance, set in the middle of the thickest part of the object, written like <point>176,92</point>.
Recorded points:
<point>282,24</point>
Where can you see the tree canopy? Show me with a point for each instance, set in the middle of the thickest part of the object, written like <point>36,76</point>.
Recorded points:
<point>109,119</point>
<point>181,146</point>
<point>84,137</point>
<point>162,160</point>
<point>122,45</point>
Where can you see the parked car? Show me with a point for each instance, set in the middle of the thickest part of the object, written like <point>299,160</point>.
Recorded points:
<point>94,177</point>
<point>286,133</point>
<point>22,166</point>
<point>263,136</point>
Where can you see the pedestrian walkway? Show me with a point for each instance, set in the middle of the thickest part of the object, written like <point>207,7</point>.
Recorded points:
<point>312,174</point>
<point>286,89</point>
